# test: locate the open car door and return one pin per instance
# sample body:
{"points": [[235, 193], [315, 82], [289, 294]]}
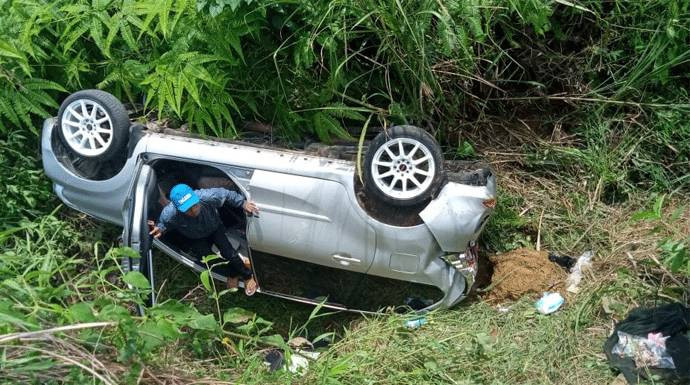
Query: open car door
{"points": [[136, 231]]}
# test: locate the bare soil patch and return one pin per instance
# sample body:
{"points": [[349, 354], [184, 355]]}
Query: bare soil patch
{"points": [[523, 272]]}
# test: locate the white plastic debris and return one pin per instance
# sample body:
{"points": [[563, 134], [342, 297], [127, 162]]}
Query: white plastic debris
{"points": [[298, 364], [549, 303], [646, 352], [299, 361], [584, 262]]}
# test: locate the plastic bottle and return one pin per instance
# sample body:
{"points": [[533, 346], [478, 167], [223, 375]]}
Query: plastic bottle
{"points": [[415, 323]]}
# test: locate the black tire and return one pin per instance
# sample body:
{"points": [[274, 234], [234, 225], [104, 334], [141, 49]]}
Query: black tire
{"points": [[119, 119], [403, 167]]}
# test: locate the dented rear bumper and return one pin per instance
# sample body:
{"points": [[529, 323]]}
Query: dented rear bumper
{"points": [[458, 214]]}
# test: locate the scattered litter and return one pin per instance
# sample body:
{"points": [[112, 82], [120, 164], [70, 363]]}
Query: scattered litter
{"points": [[646, 352], [564, 261], [299, 360], [415, 323], [549, 303], [584, 261], [274, 359], [652, 342], [503, 308], [521, 272]]}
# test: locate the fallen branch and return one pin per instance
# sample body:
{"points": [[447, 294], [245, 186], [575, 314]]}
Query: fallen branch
{"points": [[590, 100], [70, 361], [665, 270], [15, 336]]}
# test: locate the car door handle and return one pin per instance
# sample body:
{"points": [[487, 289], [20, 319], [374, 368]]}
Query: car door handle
{"points": [[345, 260]]}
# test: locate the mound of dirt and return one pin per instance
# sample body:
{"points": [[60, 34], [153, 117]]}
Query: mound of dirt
{"points": [[523, 272]]}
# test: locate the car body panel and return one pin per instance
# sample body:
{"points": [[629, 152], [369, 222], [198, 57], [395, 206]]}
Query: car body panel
{"points": [[309, 209], [135, 231], [309, 219], [458, 201]]}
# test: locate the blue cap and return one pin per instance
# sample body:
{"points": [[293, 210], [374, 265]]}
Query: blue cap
{"points": [[183, 197]]}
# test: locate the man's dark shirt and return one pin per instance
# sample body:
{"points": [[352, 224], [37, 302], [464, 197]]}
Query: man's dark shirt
{"points": [[208, 219]]}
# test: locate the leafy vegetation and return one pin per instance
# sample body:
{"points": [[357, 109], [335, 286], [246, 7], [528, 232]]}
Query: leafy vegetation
{"points": [[581, 106], [612, 73]]}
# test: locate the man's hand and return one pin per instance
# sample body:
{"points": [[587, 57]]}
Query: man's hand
{"points": [[155, 231], [251, 208]]}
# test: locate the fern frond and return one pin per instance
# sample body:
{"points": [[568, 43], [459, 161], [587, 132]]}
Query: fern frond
{"points": [[325, 126], [341, 110], [7, 110]]}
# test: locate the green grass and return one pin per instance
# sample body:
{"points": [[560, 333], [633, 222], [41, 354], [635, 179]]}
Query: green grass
{"points": [[46, 274], [472, 344], [177, 281]]}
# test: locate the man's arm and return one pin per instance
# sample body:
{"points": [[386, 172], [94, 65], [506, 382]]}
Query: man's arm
{"points": [[218, 196], [165, 221]]}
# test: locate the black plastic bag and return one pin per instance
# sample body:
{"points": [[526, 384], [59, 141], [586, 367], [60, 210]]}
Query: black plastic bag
{"points": [[671, 320]]}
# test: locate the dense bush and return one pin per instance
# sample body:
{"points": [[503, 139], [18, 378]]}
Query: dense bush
{"points": [[318, 68]]}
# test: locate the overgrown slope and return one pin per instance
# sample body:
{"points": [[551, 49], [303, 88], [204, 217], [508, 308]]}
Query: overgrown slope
{"points": [[580, 106]]}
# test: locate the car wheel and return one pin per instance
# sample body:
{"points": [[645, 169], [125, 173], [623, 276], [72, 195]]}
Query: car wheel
{"points": [[403, 166], [93, 124]]}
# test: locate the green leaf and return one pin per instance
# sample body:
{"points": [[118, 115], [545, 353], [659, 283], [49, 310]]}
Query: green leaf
{"points": [[431, 365], [206, 280], [210, 258], [137, 280], [644, 216], [73, 37], [234, 4], [114, 312], [329, 336], [119, 252], [6, 49], [82, 312], [215, 9], [340, 110], [204, 322], [13, 317], [173, 309], [237, 315], [168, 329], [274, 339], [234, 40], [465, 149], [150, 335], [658, 205], [360, 148], [326, 126]]}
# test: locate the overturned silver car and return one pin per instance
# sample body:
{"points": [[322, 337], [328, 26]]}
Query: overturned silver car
{"points": [[406, 228]]}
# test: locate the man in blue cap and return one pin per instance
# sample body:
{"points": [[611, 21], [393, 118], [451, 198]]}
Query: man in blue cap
{"points": [[194, 214]]}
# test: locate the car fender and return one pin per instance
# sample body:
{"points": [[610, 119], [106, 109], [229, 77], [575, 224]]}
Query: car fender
{"points": [[457, 215]]}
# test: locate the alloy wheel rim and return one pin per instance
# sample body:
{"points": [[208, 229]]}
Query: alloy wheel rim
{"points": [[403, 168], [87, 127]]}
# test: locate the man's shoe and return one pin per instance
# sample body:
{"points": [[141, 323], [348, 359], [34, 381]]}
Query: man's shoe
{"points": [[250, 286]]}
